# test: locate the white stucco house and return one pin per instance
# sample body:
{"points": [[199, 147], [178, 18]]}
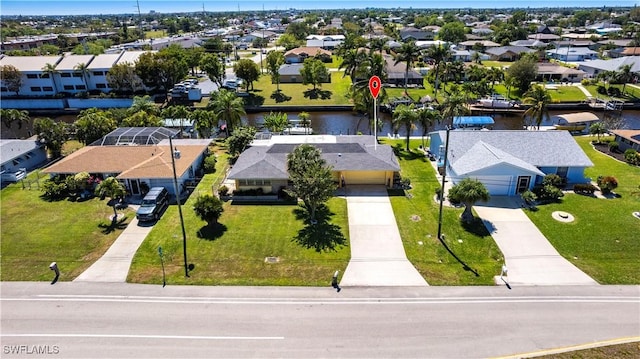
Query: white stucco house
{"points": [[510, 162]]}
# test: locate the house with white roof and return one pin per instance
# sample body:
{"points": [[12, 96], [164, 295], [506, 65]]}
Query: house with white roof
{"points": [[327, 42], [510, 162], [573, 54], [35, 82], [69, 76], [595, 67], [98, 69]]}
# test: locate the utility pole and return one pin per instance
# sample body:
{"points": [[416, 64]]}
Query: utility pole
{"points": [[444, 175], [139, 18]]}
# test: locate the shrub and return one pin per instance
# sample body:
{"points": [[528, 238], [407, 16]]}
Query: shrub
{"points": [[528, 197], [613, 146], [223, 190], [208, 208], [607, 183], [614, 91], [210, 163], [548, 193], [553, 180], [55, 188], [632, 156], [601, 90], [584, 188]]}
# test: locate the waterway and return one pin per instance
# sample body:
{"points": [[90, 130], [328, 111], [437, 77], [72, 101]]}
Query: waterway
{"points": [[348, 123]]}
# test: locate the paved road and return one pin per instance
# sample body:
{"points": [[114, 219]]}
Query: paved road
{"points": [[115, 320]]}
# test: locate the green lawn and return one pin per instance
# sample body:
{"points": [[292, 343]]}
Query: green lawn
{"points": [[603, 239], [416, 213], [36, 232], [234, 253], [566, 94]]}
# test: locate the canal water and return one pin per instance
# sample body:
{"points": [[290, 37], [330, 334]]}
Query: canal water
{"points": [[349, 123]]}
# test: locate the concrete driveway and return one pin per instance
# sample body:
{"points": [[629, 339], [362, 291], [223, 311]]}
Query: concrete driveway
{"points": [[529, 257], [377, 253]]}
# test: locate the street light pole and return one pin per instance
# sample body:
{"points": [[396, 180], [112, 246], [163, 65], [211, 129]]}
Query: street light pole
{"points": [[444, 175], [175, 187]]}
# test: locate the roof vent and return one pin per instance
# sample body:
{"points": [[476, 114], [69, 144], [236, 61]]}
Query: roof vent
{"points": [[176, 154]]}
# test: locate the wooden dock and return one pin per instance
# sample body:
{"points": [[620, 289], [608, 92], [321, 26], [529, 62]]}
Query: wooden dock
{"points": [[495, 110]]}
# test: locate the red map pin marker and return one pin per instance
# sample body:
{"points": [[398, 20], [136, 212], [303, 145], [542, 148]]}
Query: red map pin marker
{"points": [[374, 86]]}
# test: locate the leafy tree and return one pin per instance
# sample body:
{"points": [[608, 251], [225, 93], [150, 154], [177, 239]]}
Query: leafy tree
{"points": [[141, 119], [311, 177], [52, 134], [11, 77], [276, 122], [240, 140], [122, 78], [275, 59], [227, 107], [110, 187], [11, 116], [538, 98], [213, 66], [299, 30], [408, 53], [193, 57], [314, 72], [452, 32], [468, 191], [203, 122], [288, 41], [598, 129], [161, 70], [208, 208], [304, 120], [406, 116], [248, 71], [92, 124], [523, 72]]}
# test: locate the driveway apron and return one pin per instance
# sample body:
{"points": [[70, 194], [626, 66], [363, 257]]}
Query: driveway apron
{"points": [[377, 253], [529, 257]]}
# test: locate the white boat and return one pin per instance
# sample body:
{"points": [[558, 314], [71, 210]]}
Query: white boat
{"points": [[297, 128], [575, 122], [496, 101]]}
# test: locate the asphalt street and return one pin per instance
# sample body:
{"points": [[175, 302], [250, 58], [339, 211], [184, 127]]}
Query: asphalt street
{"points": [[79, 320]]}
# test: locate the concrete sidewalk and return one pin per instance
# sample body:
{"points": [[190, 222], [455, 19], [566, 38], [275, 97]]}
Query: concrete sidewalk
{"points": [[114, 265], [529, 257], [377, 253]]}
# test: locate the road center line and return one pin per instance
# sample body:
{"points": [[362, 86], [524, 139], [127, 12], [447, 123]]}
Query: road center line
{"points": [[135, 336]]}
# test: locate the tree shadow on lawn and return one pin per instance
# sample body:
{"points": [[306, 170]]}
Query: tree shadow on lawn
{"points": [[315, 94], [254, 100], [280, 96], [112, 226], [322, 236], [477, 227], [399, 149], [212, 232]]}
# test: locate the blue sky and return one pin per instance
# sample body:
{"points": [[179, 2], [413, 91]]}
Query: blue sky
{"points": [[89, 7]]}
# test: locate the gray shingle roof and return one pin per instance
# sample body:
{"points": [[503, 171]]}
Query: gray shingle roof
{"points": [[483, 155], [536, 148], [349, 153]]}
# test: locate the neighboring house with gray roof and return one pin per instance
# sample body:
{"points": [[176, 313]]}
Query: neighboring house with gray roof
{"points": [[510, 162], [356, 159], [595, 67], [290, 73], [572, 54], [627, 139], [507, 53], [19, 156]]}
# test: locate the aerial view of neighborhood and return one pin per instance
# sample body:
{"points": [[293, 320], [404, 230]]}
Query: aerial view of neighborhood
{"points": [[361, 180]]}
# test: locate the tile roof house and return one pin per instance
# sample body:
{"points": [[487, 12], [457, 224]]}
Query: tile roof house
{"points": [[627, 139], [356, 159], [135, 162], [299, 54], [510, 162], [507, 53]]}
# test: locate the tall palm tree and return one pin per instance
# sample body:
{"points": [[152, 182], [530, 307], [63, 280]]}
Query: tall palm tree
{"points": [[304, 120], [408, 53], [454, 105], [144, 104], [83, 69], [351, 61], [426, 118], [376, 43], [50, 70], [229, 108], [179, 112], [538, 98], [407, 116], [203, 122], [625, 75], [438, 54], [495, 74]]}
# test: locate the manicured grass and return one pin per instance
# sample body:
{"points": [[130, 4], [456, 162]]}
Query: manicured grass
{"points": [[333, 93], [566, 94], [500, 64], [234, 252], [416, 213], [36, 232], [603, 239]]}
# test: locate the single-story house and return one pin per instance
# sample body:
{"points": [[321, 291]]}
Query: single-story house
{"points": [[469, 44], [627, 139], [328, 42], [546, 38], [595, 67], [299, 54], [356, 159], [396, 73], [20, 156], [528, 43], [510, 162], [572, 54], [507, 53], [290, 73], [548, 71], [135, 155]]}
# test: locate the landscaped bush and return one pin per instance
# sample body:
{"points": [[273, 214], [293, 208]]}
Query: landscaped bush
{"points": [[223, 190], [584, 188], [548, 193], [614, 146], [208, 208], [250, 192], [632, 156], [554, 180], [528, 197], [607, 184], [55, 188], [210, 164], [601, 90]]}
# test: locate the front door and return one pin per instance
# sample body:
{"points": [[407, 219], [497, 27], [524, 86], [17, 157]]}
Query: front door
{"points": [[523, 184], [135, 186]]}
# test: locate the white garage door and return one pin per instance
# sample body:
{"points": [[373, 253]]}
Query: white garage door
{"points": [[498, 185], [364, 177]]}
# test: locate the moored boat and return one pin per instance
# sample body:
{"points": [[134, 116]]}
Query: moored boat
{"points": [[575, 122]]}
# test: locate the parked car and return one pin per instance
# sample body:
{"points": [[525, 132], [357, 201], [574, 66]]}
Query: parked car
{"points": [[153, 204]]}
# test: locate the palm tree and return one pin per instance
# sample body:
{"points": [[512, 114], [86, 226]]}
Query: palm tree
{"points": [[438, 54], [144, 104], [406, 116], [408, 53], [625, 75], [9, 116], [110, 187], [203, 122], [179, 112], [50, 70], [538, 98], [229, 108], [351, 62], [304, 120], [454, 105], [376, 43], [495, 74], [598, 129], [468, 191], [83, 69], [427, 117]]}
